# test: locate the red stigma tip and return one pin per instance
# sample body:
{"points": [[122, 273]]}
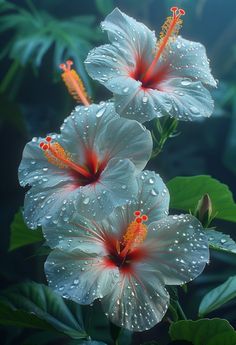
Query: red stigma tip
{"points": [[45, 147], [137, 213], [69, 63], [48, 139], [174, 9], [41, 144], [62, 66], [144, 217], [138, 220], [182, 12]]}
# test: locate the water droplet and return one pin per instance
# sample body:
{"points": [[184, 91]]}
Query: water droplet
{"points": [[86, 201], [194, 110], [100, 112], [145, 99], [126, 89], [186, 82], [153, 192]]}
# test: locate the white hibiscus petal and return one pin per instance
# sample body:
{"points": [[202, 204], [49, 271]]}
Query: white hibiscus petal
{"points": [[132, 38], [137, 302], [78, 276], [111, 69], [178, 245], [189, 60]]}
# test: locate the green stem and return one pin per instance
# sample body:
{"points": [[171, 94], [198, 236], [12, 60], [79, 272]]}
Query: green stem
{"points": [[180, 311]]}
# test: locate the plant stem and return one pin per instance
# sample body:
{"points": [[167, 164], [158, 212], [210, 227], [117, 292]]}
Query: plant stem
{"points": [[180, 311]]}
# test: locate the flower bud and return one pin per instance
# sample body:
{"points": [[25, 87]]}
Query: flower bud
{"points": [[204, 210]]}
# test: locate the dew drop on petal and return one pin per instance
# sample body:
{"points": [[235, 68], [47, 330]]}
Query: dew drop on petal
{"points": [[86, 201], [100, 112], [154, 192], [186, 82], [194, 110], [145, 99]]}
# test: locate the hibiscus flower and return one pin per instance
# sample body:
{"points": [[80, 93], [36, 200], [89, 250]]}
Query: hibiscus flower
{"points": [[152, 78], [90, 166], [127, 259]]}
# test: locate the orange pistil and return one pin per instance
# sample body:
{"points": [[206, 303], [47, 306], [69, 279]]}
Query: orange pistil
{"points": [[74, 84], [135, 233], [169, 29], [56, 155]]}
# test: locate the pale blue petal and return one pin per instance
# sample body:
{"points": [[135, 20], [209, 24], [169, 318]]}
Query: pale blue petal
{"points": [[178, 246], [137, 302], [99, 128], [116, 186], [152, 199], [189, 60], [106, 65], [189, 100], [127, 139], [132, 38], [143, 104], [78, 276], [83, 129], [45, 204], [78, 232], [180, 97]]}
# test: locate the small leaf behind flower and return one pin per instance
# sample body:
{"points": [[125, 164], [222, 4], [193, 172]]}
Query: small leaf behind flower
{"points": [[186, 191], [217, 297], [37, 306], [21, 235], [204, 332]]}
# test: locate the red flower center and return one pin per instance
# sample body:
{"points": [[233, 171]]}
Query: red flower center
{"points": [[84, 174], [127, 251]]}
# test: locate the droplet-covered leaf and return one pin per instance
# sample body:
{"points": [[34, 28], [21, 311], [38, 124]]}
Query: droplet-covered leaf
{"points": [[217, 297], [222, 242], [185, 193]]}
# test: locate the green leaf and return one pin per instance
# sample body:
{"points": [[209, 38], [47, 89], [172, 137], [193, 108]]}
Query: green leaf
{"points": [[204, 332], [104, 6], [20, 318], [40, 301], [21, 235], [222, 242], [217, 297], [186, 191]]}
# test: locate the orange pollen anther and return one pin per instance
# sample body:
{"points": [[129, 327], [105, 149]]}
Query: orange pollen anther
{"points": [[170, 29], [56, 155], [74, 83], [135, 233]]}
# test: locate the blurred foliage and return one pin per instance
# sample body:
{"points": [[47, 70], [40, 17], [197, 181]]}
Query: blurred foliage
{"points": [[35, 32]]}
